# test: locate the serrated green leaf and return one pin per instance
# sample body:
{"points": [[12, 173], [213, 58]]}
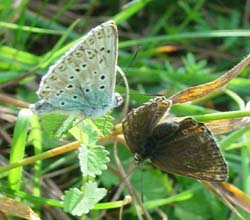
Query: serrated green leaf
{"points": [[78, 203], [56, 124], [85, 132], [104, 124], [78, 134], [90, 128], [93, 159]]}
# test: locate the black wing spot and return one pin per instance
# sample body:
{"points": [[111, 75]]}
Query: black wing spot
{"points": [[102, 87], [91, 55], [69, 59], [101, 60], [99, 35], [53, 77], [91, 41], [62, 67], [75, 97], [78, 54], [87, 90], [70, 86], [102, 77], [62, 103]]}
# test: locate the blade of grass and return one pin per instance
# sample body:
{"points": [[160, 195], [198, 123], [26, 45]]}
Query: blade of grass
{"points": [[56, 203], [130, 10], [18, 55], [30, 29], [182, 36], [55, 52], [176, 198], [36, 136], [18, 147], [222, 115], [245, 163], [45, 155], [232, 138], [5, 9]]}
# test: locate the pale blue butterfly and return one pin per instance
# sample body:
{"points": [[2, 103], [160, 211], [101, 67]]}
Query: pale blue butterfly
{"points": [[82, 82]]}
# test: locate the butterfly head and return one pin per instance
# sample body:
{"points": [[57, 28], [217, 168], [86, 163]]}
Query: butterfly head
{"points": [[138, 159], [118, 100], [41, 107]]}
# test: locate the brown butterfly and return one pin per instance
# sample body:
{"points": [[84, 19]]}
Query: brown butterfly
{"points": [[186, 148]]}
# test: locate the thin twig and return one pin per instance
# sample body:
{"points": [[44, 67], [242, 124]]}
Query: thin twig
{"points": [[130, 187], [13, 101], [18, 79]]}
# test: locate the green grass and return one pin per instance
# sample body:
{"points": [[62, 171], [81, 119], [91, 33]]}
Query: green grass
{"points": [[207, 39]]}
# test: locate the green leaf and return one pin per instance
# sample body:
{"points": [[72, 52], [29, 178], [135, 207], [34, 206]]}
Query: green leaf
{"points": [[56, 124], [104, 124], [198, 207], [18, 147], [56, 51], [92, 131], [35, 137], [142, 179], [18, 55], [6, 76], [93, 159], [78, 203], [85, 132]]}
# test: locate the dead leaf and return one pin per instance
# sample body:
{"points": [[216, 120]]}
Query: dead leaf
{"points": [[226, 125], [15, 208], [202, 90]]}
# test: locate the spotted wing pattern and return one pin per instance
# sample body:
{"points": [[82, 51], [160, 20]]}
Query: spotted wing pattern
{"points": [[83, 80]]}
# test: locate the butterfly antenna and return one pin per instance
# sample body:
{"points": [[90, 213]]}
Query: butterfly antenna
{"points": [[125, 109], [133, 58], [130, 171], [142, 188]]}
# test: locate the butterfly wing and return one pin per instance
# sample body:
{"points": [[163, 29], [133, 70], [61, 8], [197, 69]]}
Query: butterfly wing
{"points": [[83, 80], [191, 151], [139, 123]]}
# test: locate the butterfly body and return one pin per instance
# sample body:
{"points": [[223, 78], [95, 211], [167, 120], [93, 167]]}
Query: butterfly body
{"points": [[186, 148], [161, 133], [82, 82]]}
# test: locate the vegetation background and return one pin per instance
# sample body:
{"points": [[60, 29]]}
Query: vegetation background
{"points": [[164, 47]]}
